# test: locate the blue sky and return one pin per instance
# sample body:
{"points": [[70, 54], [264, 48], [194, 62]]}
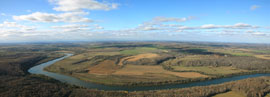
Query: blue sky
{"points": [[93, 20]]}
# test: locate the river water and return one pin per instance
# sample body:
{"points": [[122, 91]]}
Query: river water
{"points": [[74, 81]]}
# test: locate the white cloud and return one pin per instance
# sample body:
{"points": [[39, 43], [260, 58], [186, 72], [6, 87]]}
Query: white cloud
{"points": [[242, 25], [160, 24], [96, 26], [257, 33], [13, 29], [146, 28], [48, 17], [77, 27], [209, 26], [79, 5], [254, 7], [75, 11], [70, 26], [14, 25], [160, 20], [235, 26], [157, 23], [171, 19], [186, 28]]}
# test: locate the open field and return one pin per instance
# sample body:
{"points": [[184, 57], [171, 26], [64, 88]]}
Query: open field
{"points": [[262, 51], [140, 50], [106, 74], [230, 94], [142, 70], [137, 57], [106, 67], [209, 69], [125, 79], [141, 56], [267, 57]]}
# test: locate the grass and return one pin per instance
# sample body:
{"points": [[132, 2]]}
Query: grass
{"points": [[140, 56], [209, 70], [68, 66], [240, 54], [105, 67], [139, 50], [124, 79], [262, 51], [135, 74], [230, 94], [137, 57], [263, 56], [142, 70]]}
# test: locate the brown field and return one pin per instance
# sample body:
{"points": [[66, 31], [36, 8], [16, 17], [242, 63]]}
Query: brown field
{"points": [[142, 70], [138, 57], [263, 56], [106, 67], [242, 49], [230, 94]]}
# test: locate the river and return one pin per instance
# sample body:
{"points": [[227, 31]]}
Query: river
{"points": [[39, 69]]}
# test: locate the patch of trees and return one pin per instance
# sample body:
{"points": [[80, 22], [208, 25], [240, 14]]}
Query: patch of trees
{"points": [[198, 51], [19, 63], [26, 64], [99, 58], [19, 66], [248, 63], [32, 86], [151, 61]]}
